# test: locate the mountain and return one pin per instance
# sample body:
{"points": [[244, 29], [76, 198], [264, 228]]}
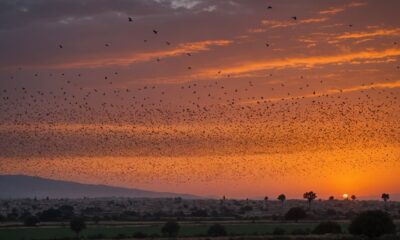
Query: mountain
{"points": [[21, 186]]}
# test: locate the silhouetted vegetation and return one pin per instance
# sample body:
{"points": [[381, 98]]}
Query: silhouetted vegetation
{"points": [[77, 224], [327, 227], [31, 221], [310, 196], [170, 228], [217, 230], [278, 231], [372, 224], [295, 214]]}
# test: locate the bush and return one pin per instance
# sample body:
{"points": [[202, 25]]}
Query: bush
{"points": [[295, 214], [328, 227], [77, 224], [300, 231], [139, 235], [389, 237], [217, 230], [170, 228], [278, 231], [31, 221], [121, 236], [372, 224]]}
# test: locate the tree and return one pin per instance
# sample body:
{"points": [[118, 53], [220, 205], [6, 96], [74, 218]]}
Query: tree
{"points": [[331, 198], [171, 228], [372, 223], [282, 198], [327, 227], [353, 197], [96, 219], [385, 197], [278, 231], [217, 230], [77, 224], [50, 215], [310, 196], [295, 214], [31, 221]]}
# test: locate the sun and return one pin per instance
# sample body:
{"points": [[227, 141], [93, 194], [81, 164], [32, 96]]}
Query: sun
{"points": [[345, 196]]}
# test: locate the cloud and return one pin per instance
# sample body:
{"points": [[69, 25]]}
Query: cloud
{"points": [[387, 85], [283, 24], [21, 13], [188, 4], [331, 11], [336, 10], [376, 33], [181, 49], [246, 67]]}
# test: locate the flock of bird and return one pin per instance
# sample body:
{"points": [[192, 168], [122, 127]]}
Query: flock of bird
{"points": [[206, 119]]}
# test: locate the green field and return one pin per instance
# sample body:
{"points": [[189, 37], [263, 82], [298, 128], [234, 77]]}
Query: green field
{"points": [[113, 231]]}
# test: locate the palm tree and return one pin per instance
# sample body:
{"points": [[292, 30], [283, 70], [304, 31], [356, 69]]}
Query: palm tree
{"points": [[310, 196], [282, 198], [385, 197]]}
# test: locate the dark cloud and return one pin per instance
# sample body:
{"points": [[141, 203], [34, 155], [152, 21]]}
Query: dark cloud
{"points": [[21, 13]]}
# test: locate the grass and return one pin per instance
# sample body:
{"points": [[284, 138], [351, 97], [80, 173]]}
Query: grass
{"points": [[187, 230]]}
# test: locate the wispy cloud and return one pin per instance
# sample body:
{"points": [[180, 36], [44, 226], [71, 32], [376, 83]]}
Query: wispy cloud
{"points": [[302, 62], [387, 85], [376, 33], [336, 10], [181, 49], [283, 24]]}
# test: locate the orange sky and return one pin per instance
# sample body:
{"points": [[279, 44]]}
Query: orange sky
{"points": [[224, 98]]}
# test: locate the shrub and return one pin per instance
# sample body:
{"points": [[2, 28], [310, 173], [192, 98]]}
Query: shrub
{"points": [[217, 230], [295, 214], [328, 227], [372, 224], [139, 235], [278, 231], [389, 237], [300, 231], [77, 224], [170, 228], [31, 221]]}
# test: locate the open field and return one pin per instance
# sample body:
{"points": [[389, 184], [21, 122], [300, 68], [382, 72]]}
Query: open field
{"points": [[154, 230], [187, 230]]}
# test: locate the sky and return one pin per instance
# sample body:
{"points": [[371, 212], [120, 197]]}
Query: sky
{"points": [[210, 97]]}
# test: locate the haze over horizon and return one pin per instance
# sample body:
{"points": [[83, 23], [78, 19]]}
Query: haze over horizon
{"points": [[205, 97]]}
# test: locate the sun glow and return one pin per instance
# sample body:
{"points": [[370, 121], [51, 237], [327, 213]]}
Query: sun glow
{"points": [[345, 196]]}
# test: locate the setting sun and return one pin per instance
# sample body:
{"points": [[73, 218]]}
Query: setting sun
{"points": [[345, 196]]}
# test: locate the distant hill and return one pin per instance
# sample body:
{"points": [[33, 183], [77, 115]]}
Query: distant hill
{"points": [[21, 186]]}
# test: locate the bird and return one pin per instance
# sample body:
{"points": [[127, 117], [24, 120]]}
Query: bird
{"points": [[155, 31], [130, 19], [294, 18], [60, 46]]}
